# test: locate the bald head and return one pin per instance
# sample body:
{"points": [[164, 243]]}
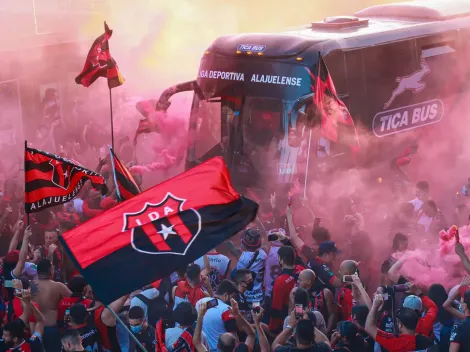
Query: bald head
{"points": [[227, 342], [348, 267], [306, 278]]}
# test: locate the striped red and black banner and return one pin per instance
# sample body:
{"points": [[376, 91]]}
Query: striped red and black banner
{"points": [[51, 180], [166, 227], [100, 63], [337, 122], [126, 186]]}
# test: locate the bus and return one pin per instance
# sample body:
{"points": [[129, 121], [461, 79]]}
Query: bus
{"points": [[399, 68]]}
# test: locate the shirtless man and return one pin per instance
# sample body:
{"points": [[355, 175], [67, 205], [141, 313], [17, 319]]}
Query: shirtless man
{"points": [[48, 295]]}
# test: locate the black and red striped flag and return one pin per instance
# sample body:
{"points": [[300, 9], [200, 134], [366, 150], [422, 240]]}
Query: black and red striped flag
{"points": [[51, 180], [149, 236], [100, 63], [335, 116], [126, 187]]}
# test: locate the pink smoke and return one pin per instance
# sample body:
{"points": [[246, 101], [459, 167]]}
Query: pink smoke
{"points": [[437, 263]]}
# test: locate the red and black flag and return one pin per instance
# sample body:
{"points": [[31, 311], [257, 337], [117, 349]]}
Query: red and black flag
{"points": [[336, 122], [100, 63], [126, 187], [149, 236], [51, 180]]}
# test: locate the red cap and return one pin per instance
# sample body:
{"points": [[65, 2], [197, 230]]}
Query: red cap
{"points": [[12, 257], [463, 289]]}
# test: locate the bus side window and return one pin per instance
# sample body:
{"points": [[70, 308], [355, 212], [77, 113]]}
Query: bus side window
{"points": [[439, 52], [337, 68], [383, 66]]}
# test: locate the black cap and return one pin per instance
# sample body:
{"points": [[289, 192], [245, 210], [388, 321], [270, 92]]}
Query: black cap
{"points": [[252, 239], [328, 247]]}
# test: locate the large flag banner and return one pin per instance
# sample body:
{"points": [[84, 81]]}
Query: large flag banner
{"points": [[149, 236], [51, 180], [100, 63], [126, 187], [334, 112]]}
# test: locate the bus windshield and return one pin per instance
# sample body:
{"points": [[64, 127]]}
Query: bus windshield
{"points": [[251, 134]]}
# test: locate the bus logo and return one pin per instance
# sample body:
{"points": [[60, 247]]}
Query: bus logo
{"points": [[411, 82], [407, 118], [251, 47]]}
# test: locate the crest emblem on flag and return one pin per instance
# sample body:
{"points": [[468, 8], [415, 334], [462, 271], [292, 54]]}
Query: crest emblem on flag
{"points": [[163, 228], [61, 174]]}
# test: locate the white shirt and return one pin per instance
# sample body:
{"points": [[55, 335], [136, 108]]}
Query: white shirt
{"points": [[257, 294], [273, 269], [219, 264], [213, 324], [417, 204]]}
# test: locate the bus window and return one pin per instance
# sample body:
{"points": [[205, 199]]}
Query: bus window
{"points": [[207, 121], [263, 132]]}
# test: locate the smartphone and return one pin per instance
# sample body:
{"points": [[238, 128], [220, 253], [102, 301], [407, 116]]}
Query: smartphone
{"points": [[347, 278], [316, 223], [212, 303], [8, 284], [273, 237], [67, 315], [17, 293], [256, 307], [299, 311], [457, 236]]}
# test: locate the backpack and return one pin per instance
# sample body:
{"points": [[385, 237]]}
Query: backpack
{"points": [[157, 309]]}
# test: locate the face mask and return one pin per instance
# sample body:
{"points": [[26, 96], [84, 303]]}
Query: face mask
{"points": [[250, 286], [136, 329]]}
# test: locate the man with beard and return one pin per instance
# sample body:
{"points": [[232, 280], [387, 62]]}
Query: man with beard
{"points": [[244, 281], [321, 298], [13, 339], [219, 319]]}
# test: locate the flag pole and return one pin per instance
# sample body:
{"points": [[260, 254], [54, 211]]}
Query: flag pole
{"points": [[24, 167], [133, 337], [308, 159], [112, 120]]}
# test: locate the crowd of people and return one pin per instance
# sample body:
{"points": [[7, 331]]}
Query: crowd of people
{"points": [[276, 286], [285, 283]]}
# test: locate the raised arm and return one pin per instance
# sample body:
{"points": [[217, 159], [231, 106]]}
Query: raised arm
{"points": [[197, 338], [18, 271]]}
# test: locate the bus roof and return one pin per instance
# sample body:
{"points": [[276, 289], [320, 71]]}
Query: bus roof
{"points": [[371, 26]]}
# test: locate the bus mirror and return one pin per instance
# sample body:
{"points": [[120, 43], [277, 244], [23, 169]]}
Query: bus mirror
{"points": [[164, 103]]}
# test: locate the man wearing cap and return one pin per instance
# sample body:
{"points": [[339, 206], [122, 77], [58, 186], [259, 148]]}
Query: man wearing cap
{"points": [[253, 258], [460, 336], [416, 301], [407, 320], [321, 265]]}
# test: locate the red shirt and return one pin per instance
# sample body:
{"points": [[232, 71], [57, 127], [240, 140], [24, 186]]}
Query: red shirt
{"points": [[108, 334], [345, 303], [426, 323], [185, 291], [392, 343], [18, 310], [280, 302], [67, 303]]}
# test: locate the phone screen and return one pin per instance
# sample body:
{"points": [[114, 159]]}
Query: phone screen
{"points": [[299, 311], [212, 303], [347, 278]]}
